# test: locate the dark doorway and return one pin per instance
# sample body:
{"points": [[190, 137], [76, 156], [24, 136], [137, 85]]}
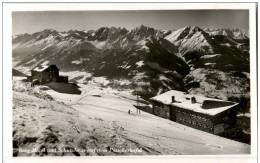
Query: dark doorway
{"points": [[172, 113]]}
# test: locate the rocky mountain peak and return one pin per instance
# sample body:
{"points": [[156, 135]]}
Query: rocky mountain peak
{"points": [[143, 28], [233, 33]]}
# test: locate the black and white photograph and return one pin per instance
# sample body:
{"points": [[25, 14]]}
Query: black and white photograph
{"points": [[131, 82]]}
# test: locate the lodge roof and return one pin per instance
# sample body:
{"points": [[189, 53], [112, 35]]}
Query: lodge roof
{"points": [[203, 104], [40, 68]]}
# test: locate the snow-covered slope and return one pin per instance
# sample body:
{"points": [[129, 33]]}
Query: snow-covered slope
{"points": [[202, 50], [56, 124], [190, 39]]}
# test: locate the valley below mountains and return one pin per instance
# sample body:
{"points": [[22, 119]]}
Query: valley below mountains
{"points": [[210, 62]]}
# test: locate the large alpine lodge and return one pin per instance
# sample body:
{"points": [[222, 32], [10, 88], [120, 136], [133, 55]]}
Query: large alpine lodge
{"points": [[207, 114]]}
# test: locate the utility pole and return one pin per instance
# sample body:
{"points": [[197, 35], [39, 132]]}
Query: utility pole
{"points": [[137, 103]]}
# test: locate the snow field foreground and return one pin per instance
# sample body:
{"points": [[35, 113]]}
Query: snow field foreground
{"points": [[43, 126], [154, 135]]}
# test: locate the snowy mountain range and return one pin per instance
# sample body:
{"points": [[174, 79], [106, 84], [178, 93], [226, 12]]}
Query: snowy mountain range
{"points": [[213, 62], [234, 33]]}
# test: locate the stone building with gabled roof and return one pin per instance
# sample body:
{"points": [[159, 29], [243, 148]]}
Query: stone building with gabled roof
{"points": [[46, 74]]}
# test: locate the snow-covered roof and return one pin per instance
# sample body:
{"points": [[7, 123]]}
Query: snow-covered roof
{"points": [[183, 100], [44, 66], [40, 68]]}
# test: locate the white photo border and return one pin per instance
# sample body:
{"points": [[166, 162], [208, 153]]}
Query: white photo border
{"points": [[8, 8]]}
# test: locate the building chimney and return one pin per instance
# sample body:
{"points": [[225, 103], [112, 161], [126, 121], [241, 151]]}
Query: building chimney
{"points": [[193, 100], [173, 99]]}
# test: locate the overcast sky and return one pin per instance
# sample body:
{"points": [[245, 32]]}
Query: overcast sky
{"points": [[30, 22]]}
